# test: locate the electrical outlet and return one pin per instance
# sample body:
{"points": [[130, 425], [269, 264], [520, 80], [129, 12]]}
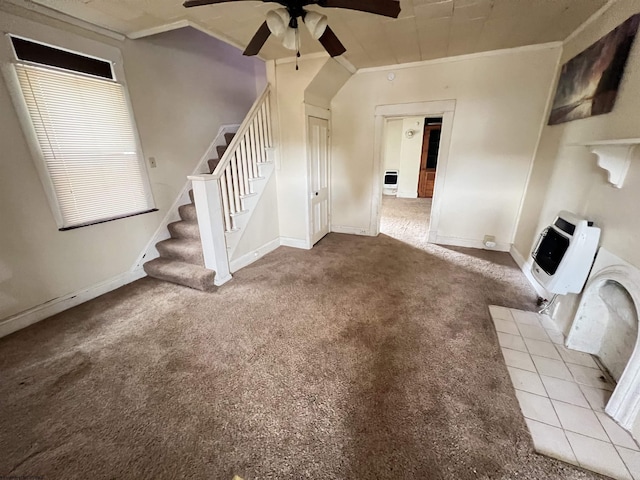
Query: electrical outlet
{"points": [[152, 162], [489, 241]]}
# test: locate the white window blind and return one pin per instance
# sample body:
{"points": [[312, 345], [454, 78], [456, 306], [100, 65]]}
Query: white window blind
{"points": [[86, 135]]}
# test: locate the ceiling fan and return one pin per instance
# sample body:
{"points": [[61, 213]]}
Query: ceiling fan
{"points": [[284, 23]]}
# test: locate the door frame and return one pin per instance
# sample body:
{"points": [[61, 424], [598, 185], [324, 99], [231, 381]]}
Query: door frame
{"points": [[440, 108], [324, 114]]}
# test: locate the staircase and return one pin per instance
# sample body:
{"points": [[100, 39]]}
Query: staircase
{"points": [[181, 259], [199, 252]]}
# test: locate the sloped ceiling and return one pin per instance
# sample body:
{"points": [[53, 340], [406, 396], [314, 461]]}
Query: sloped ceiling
{"points": [[426, 29]]}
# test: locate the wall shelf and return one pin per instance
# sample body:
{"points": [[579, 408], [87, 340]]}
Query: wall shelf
{"points": [[614, 156]]}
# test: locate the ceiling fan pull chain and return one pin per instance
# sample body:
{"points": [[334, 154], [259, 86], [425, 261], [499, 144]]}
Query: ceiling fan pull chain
{"points": [[297, 48]]}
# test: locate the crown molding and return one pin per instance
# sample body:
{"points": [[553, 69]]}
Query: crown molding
{"points": [[167, 27], [63, 17], [459, 58], [589, 21]]}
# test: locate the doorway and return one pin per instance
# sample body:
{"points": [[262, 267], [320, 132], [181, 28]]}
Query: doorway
{"points": [[410, 154], [442, 109], [318, 145]]}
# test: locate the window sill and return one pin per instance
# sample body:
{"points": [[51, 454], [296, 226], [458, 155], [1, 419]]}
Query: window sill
{"points": [[88, 224]]}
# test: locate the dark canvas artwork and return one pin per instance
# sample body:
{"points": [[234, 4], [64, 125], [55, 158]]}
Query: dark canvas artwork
{"points": [[589, 82]]}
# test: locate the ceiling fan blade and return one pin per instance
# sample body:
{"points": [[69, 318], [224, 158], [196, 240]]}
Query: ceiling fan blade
{"points": [[198, 3], [331, 43], [258, 40], [388, 8]]}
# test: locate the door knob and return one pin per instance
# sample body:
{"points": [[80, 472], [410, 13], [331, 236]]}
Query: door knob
{"points": [[317, 194]]}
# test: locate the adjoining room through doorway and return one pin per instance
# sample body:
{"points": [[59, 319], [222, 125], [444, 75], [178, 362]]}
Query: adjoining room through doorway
{"points": [[410, 159]]}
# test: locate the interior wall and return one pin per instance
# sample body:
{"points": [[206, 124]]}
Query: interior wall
{"points": [[500, 102], [291, 170], [263, 227], [314, 84], [565, 175], [392, 144], [326, 83], [183, 86], [410, 153]]}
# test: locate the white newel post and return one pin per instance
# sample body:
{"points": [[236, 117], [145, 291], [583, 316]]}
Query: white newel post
{"points": [[208, 201]]}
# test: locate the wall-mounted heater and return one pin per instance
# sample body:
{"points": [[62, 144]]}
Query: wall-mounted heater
{"points": [[564, 254], [390, 182]]}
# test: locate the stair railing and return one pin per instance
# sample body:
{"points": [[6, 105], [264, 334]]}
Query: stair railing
{"points": [[219, 196], [239, 164]]}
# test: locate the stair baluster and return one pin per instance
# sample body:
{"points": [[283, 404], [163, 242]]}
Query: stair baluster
{"points": [[240, 166]]}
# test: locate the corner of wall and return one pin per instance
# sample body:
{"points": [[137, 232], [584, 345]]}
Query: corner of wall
{"points": [[525, 207], [525, 266]]}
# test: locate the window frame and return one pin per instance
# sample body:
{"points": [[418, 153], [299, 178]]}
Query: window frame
{"points": [[90, 49]]}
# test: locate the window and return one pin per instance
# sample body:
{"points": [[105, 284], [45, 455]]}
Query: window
{"points": [[85, 135]]}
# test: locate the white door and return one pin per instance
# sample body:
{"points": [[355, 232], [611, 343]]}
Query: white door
{"points": [[319, 175]]}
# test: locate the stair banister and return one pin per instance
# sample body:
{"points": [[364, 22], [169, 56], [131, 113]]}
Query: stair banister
{"points": [[240, 134], [220, 196]]}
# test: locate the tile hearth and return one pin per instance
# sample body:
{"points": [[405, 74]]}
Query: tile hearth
{"points": [[562, 395]]}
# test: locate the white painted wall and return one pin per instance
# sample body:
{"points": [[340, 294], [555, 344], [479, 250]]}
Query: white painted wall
{"points": [[392, 144], [315, 84], [500, 102], [291, 170], [183, 86], [327, 82], [565, 177], [410, 154], [263, 227]]}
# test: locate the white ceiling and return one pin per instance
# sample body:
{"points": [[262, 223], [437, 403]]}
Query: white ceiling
{"points": [[426, 29]]}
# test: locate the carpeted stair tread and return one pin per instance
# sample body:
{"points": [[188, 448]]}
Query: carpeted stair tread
{"points": [[182, 249], [181, 260], [182, 273], [213, 163], [188, 212], [182, 229]]}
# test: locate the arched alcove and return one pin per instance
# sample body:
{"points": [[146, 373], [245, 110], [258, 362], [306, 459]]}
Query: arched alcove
{"points": [[606, 325]]}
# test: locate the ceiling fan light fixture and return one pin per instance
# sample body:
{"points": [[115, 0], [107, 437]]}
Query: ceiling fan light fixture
{"points": [[278, 22], [290, 39], [283, 22], [316, 23]]}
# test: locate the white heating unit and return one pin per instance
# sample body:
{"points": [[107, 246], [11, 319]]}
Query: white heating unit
{"points": [[564, 254], [390, 182]]}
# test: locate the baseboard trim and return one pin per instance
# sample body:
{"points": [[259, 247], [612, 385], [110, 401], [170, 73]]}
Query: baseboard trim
{"points": [[52, 307], [519, 259], [253, 256], [470, 243], [218, 280], [525, 266], [401, 194], [351, 230], [295, 243]]}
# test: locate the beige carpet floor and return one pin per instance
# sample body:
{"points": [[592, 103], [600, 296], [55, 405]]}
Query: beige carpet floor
{"points": [[406, 219], [364, 358]]}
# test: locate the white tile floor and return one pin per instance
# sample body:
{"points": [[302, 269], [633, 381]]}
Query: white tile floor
{"points": [[562, 395]]}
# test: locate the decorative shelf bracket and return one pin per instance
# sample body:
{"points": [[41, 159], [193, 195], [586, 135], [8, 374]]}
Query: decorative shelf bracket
{"points": [[614, 156]]}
